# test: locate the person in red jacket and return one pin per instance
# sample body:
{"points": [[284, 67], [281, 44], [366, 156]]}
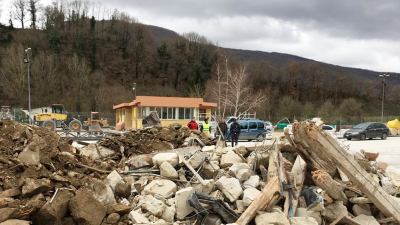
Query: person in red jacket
{"points": [[193, 125]]}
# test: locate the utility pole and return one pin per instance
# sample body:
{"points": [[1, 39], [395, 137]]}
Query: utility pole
{"points": [[383, 76], [27, 60], [134, 91]]}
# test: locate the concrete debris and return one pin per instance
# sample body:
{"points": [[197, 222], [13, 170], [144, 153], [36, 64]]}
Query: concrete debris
{"points": [[181, 202], [35, 186], [113, 179], [253, 181], [229, 159], [303, 221], [249, 195], [96, 152], [170, 157], [152, 205], [138, 218], [15, 222], [274, 218], [85, 209], [241, 171], [366, 220], [162, 187], [146, 177], [6, 213], [230, 187], [168, 171]]}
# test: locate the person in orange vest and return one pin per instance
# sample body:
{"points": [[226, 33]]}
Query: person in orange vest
{"points": [[193, 125]]}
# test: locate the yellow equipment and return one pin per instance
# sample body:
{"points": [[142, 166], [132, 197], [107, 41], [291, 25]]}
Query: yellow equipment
{"points": [[95, 122], [394, 126], [57, 118]]}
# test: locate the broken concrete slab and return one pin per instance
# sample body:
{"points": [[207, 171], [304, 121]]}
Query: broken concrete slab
{"points": [[54, 211], [303, 221], [6, 213], [102, 192], [230, 187], [275, 218], [168, 171], [138, 218], [169, 213], [253, 181], [249, 195], [209, 169], [161, 187], [113, 179], [119, 208], [95, 152], [181, 202], [335, 210], [35, 186], [152, 205], [229, 159], [15, 222], [362, 209], [140, 161], [197, 159], [170, 157], [85, 209], [241, 171], [366, 220]]}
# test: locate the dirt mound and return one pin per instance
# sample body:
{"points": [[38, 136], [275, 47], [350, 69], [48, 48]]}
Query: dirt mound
{"points": [[151, 140]]}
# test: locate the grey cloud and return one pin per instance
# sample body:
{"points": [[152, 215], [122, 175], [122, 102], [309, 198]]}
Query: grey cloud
{"points": [[353, 18]]}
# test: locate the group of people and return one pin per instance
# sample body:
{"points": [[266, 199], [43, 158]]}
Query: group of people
{"points": [[222, 129]]}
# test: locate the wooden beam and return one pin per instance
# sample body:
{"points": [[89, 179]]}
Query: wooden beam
{"points": [[326, 153], [268, 198]]}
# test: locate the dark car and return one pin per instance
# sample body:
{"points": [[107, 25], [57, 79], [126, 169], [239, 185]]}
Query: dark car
{"points": [[367, 130]]}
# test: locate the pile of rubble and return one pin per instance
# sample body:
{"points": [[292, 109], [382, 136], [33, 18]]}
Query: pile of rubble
{"points": [[305, 179], [155, 139]]}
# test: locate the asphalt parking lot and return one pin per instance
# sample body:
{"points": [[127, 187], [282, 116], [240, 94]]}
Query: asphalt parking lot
{"points": [[389, 149]]}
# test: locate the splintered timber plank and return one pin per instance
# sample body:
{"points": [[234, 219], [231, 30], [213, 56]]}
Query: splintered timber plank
{"points": [[320, 147], [268, 198]]}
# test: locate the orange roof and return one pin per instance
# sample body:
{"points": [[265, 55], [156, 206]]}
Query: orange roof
{"points": [[156, 101]]}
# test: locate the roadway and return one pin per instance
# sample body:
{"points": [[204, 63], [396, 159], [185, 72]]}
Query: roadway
{"points": [[389, 149]]}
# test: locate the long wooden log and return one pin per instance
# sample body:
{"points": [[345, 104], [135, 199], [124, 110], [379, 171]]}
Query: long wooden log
{"points": [[324, 152], [268, 198]]}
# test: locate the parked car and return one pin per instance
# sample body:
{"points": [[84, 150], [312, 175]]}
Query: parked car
{"points": [[367, 130], [269, 126], [251, 129], [329, 129]]}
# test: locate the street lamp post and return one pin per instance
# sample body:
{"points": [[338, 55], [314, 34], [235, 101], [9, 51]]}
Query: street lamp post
{"points": [[383, 76], [27, 60], [134, 91]]}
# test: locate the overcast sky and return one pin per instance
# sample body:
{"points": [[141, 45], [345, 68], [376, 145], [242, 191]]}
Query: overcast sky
{"points": [[354, 33]]}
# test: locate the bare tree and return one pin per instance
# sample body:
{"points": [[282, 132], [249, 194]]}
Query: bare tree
{"points": [[33, 11], [231, 89], [241, 97], [20, 11]]}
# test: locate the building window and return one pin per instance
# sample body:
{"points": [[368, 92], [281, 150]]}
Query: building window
{"points": [[185, 113], [171, 113], [202, 114]]}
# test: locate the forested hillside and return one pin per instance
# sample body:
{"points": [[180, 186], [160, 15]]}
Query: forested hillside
{"points": [[91, 64]]}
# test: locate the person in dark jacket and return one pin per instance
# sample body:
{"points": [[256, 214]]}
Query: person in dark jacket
{"points": [[234, 132], [222, 129]]}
